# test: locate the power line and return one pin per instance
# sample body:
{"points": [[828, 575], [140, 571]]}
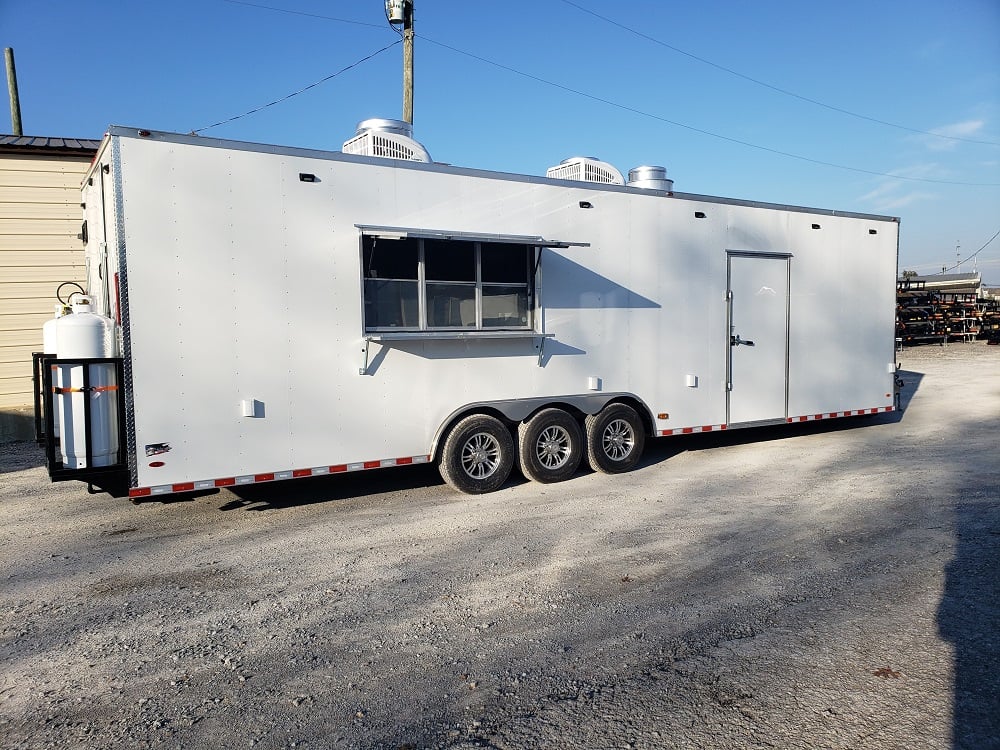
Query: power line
{"points": [[300, 91], [966, 260], [709, 133], [617, 105], [302, 13], [772, 87]]}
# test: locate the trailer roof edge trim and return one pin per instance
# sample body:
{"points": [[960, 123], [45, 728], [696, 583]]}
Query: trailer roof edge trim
{"points": [[398, 233], [295, 151]]}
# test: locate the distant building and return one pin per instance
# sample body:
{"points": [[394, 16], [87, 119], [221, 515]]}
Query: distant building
{"points": [[40, 218]]}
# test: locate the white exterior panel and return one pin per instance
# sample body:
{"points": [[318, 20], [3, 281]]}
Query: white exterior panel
{"points": [[244, 285]]}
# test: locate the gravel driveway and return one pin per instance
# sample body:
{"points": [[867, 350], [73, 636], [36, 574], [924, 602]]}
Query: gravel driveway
{"points": [[831, 585]]}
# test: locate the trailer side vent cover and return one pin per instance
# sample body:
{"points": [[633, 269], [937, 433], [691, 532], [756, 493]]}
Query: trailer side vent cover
{"points": [[387, 139], [699, 214], [816, 226], [872, 231], [585, 169]]}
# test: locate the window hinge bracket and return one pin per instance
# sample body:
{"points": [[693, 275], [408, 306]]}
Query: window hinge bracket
{"points": [[364, 368]]}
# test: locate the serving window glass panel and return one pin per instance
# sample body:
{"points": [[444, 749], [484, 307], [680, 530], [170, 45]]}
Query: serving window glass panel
{"points": [[392, 286], [423, 284]]}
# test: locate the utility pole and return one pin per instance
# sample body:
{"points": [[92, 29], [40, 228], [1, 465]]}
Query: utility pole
{"points": [[15, 101], [400, 13], [408, 61]]}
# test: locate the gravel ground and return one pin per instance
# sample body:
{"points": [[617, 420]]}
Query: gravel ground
{"points": [[832, 585]]}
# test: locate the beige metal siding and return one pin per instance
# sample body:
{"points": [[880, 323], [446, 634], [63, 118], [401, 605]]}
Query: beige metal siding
{"points": [[40, 217]]}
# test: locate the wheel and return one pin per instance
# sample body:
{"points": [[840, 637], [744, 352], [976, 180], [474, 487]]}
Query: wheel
{"points": [[478, 455], [550, 446], [615, 439]]}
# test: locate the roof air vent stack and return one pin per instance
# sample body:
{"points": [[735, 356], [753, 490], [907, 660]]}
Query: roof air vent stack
{"points": [[586, 169], [388, 139], [650, 178]]}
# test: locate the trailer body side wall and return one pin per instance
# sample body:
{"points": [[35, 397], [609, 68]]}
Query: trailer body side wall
{"points": [[239, 285]]}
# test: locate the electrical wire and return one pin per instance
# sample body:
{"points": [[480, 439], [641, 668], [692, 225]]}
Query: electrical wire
{"points": [[302, 13], [702, 131], [617, 105], [966, 260], [300, 91], [772, 87]]}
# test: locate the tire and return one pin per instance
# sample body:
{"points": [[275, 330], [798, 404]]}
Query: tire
{"points": [[550, 446], [478, 455], [615, 439]]}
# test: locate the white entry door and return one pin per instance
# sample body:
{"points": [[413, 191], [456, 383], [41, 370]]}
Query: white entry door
{"points": [[758, 337]]}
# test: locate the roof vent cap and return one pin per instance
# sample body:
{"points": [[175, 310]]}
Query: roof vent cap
{"points": [[388, 139], [585, 169], [650, 178]]}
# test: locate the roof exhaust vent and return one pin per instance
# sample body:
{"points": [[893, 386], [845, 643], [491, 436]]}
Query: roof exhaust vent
{"points": [[586, 169], [650, 178], [388, 139]]}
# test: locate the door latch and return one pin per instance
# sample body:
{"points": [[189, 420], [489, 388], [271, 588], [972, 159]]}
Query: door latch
{"points": [[736, 341]]}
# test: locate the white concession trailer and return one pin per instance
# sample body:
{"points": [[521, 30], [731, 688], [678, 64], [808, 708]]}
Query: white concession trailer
{"points": [[257, 313]]}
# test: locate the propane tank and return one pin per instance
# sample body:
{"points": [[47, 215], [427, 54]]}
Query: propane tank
{"points": [[83, 334], [49, 347]]}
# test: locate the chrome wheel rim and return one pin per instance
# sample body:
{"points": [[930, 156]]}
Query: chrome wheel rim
{"points": [[618, 439], [553, 447], [481, 455]]}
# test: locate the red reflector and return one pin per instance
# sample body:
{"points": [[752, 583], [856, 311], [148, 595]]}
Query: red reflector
{"points": [[140, 492], [156, 464], [403, 461], [302, 473], [183, 487], [263, 477], [338, 469], [228, 482], [372, 464], [687, 430]]}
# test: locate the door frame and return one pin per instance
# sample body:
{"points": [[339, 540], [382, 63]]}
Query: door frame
{"points": [[787, 257]]}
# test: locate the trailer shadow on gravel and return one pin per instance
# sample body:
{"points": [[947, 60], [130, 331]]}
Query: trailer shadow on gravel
{"points": [[327, 489]]}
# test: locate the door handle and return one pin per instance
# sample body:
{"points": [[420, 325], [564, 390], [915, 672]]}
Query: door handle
{"points": [[736, 341]]}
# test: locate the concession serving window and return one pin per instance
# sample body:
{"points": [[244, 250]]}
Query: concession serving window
{"points": [[446, 284]]}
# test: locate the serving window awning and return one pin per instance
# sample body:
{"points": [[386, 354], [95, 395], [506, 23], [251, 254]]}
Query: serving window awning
{"points": [[398, 233]]}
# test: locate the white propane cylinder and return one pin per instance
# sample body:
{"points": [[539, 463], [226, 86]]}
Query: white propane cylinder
{"points": [[86, 335], [49, 346]]}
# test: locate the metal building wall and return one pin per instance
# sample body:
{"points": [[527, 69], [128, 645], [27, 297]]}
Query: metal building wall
{"points": [[40, 218]]}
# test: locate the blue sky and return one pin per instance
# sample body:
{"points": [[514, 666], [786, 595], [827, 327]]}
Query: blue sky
{"points": [[833, 105]]}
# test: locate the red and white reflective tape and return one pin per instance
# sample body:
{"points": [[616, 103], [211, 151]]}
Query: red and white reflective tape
{"points": [[803, 418], [692, 430], [835, 414], [317, 471]]}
